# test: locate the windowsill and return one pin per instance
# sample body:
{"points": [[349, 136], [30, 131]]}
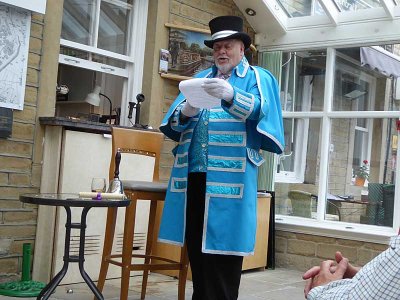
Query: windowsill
{"points": [[349, 231]]}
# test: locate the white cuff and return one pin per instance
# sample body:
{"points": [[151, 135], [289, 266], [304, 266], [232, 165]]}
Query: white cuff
{"points": [[189, 111]]}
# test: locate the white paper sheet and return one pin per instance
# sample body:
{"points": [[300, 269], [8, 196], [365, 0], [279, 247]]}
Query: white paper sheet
{"points": [[195, 94]]}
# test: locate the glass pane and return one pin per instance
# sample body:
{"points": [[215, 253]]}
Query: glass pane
{"points": [[349, 5], [361, 176], [108, 61], [80, 82], [286, 160], [74, 52], [303, 80], [113, 28], [296, 8], [77, 20], [126, 1], [296, 196], [358, 88]]}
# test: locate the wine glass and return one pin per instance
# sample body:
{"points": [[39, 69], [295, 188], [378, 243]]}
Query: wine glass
{"points": [[98, 185]]}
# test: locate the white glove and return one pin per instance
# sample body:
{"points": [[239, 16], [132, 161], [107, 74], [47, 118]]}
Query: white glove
{"points": [[218, 88], [189, 111]]}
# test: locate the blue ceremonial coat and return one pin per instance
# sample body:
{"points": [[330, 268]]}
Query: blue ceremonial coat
{"points": [[234, 141]]}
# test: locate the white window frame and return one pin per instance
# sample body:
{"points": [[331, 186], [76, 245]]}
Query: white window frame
{"points": [[300, 147], [319, 225], [38, 6], [371, 102], [133, 71]]}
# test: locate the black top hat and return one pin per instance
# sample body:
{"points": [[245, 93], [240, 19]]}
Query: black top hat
{"points": [[227, 27]]}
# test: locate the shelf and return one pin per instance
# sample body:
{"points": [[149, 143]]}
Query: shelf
{"points": [[174, 77], [71, 102]]}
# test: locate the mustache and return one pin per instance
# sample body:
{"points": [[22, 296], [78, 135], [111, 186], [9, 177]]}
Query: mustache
{"points": [[222, 56]]}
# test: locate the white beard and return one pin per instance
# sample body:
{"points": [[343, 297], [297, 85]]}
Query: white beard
{"points": [[224, 69]]}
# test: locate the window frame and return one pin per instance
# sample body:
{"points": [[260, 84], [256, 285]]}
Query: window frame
{"points": [[319, 225], [133, 71], [298, 174], [363, 76]]}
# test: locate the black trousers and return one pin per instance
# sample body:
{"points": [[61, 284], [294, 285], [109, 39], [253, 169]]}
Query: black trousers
{"points": [[215, 276]]}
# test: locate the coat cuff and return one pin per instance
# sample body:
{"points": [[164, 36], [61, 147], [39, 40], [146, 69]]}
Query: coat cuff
{"points": [[176, 122], [241, 106]]}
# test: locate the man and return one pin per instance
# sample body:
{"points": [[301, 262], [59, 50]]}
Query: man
{"points": [[212, 195], [379, 279]]}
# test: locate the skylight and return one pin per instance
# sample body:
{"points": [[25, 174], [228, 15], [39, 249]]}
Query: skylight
{"points": [[352, 5], [301, 8]]}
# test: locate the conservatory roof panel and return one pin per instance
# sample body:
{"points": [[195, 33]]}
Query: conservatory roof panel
{"points": [[302, 8], [301, 22]]}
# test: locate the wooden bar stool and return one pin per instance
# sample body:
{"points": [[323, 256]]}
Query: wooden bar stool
{"points": [[147, 143]]}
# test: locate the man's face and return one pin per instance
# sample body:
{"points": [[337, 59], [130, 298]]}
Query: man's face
{"points": [[228, 54]]}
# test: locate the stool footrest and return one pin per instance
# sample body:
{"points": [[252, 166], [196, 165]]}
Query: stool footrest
{"points": [[166, 260], [73, 258], [76, 225], [149, 266]]}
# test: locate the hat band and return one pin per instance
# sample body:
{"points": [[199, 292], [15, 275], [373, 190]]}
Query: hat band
{"points": [[222, 34]]}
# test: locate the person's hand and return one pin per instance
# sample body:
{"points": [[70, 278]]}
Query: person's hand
{"points": [[325, 273], [189, 111], [351, 270], [218, 88]]}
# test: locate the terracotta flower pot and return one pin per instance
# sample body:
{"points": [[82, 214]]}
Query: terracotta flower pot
{"points": [[359, 181]]}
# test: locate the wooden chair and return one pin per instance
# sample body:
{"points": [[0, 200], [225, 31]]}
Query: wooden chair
{"points": [[147, 143], [302, 205]]}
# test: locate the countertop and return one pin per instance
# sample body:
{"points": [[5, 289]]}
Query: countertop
{"points": [[83, 125]]}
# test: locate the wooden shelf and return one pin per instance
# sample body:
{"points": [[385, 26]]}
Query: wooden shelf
{"points": [[184, 27], [174, 77]]}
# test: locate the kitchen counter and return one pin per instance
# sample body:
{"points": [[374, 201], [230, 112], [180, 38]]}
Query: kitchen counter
{"points": [[76, 124], [84, 125]]}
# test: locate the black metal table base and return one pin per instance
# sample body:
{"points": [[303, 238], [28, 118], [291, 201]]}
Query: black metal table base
{"points": [[80, 259]]}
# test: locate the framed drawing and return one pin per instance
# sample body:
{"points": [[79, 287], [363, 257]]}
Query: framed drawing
{"points": [[188, 54]]}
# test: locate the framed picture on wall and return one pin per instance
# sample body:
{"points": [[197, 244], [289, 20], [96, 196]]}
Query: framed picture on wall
{"points": [[188, 54]]}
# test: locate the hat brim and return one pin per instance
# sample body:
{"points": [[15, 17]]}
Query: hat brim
{"points": [[244, 37]]}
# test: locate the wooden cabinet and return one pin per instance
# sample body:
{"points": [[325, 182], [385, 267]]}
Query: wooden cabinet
{"points": [[258, 260]]}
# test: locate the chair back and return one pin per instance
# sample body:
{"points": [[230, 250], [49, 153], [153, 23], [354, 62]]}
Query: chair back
{"points": [[388, 204], [137, 142], [374, 210], [301, 203]]}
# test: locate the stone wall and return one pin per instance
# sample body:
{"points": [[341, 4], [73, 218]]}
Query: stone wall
{"points": [[18, 172], [302, 251]]}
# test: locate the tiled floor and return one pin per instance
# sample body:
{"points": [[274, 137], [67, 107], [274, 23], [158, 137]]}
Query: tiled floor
{"points": [[278, 284]]}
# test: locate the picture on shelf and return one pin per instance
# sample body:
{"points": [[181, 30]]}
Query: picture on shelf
{"points": [[188, 54]]}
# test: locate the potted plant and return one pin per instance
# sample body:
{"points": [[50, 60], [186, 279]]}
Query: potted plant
{"points": [[361, 173]]}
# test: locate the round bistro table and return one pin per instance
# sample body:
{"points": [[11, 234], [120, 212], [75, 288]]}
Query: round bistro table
{"points": [[68, 201]]}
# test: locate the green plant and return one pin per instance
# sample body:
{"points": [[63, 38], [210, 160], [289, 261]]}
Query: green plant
{"points": [[362, 171]]}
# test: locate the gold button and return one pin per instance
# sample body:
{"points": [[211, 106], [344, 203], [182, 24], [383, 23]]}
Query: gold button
{"points": [[205, 122]]}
